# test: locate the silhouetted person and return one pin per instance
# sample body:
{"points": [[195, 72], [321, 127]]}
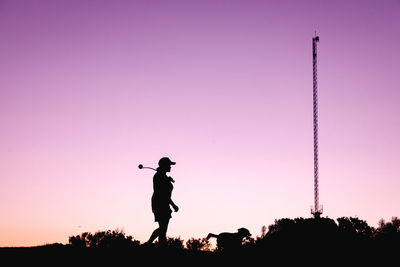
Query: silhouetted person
{"points": [[161, 200]]}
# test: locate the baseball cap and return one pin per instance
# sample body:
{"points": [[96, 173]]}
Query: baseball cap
{"points": [[165, 162]]}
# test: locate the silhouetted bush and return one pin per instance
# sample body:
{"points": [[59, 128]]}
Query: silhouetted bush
{"points": [[301, 232], [175, 243], [388, 232], [354, 229], [104, 239], [198, 244]]}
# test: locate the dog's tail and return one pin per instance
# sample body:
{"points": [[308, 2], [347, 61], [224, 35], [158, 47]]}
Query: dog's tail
{"points": [[211, 235]]}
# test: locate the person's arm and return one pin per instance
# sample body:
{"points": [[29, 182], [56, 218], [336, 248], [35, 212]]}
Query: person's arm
{"points": [[170, 179], [176, 208]]}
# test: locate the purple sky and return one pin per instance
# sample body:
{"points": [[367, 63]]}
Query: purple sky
{"points": [[90, 89]]}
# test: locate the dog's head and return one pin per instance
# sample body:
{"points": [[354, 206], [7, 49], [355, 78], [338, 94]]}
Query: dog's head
{"points": [[244, 232]]}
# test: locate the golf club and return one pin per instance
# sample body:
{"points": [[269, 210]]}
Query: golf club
{"points": [[142, 167]]}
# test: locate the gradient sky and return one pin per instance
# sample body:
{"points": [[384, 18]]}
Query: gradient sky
{"points": [[90, 89]]}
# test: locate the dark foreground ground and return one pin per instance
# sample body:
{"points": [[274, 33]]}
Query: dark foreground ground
{"points": [[282, 255]]}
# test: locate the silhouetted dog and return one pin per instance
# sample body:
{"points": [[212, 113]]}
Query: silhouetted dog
{"points": [[230, 241]]}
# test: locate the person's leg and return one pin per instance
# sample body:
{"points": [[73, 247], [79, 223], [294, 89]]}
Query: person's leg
{"points": [[154, 235], [162, 236]]}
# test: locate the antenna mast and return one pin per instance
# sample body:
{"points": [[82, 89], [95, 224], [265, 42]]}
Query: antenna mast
{"points": [[317, 209]]}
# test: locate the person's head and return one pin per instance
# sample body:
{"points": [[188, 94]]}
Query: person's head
{"points": [[164, 164]]}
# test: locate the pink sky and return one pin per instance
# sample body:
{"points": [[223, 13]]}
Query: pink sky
{"points": [[90, 89]]}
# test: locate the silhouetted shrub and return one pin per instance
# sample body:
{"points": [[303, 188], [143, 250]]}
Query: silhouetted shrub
{"points": [[354, 229], [249, 243], [79, 241], [388, 232], [198, 244], [300, 234], [175, 243], [104, 239]]}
